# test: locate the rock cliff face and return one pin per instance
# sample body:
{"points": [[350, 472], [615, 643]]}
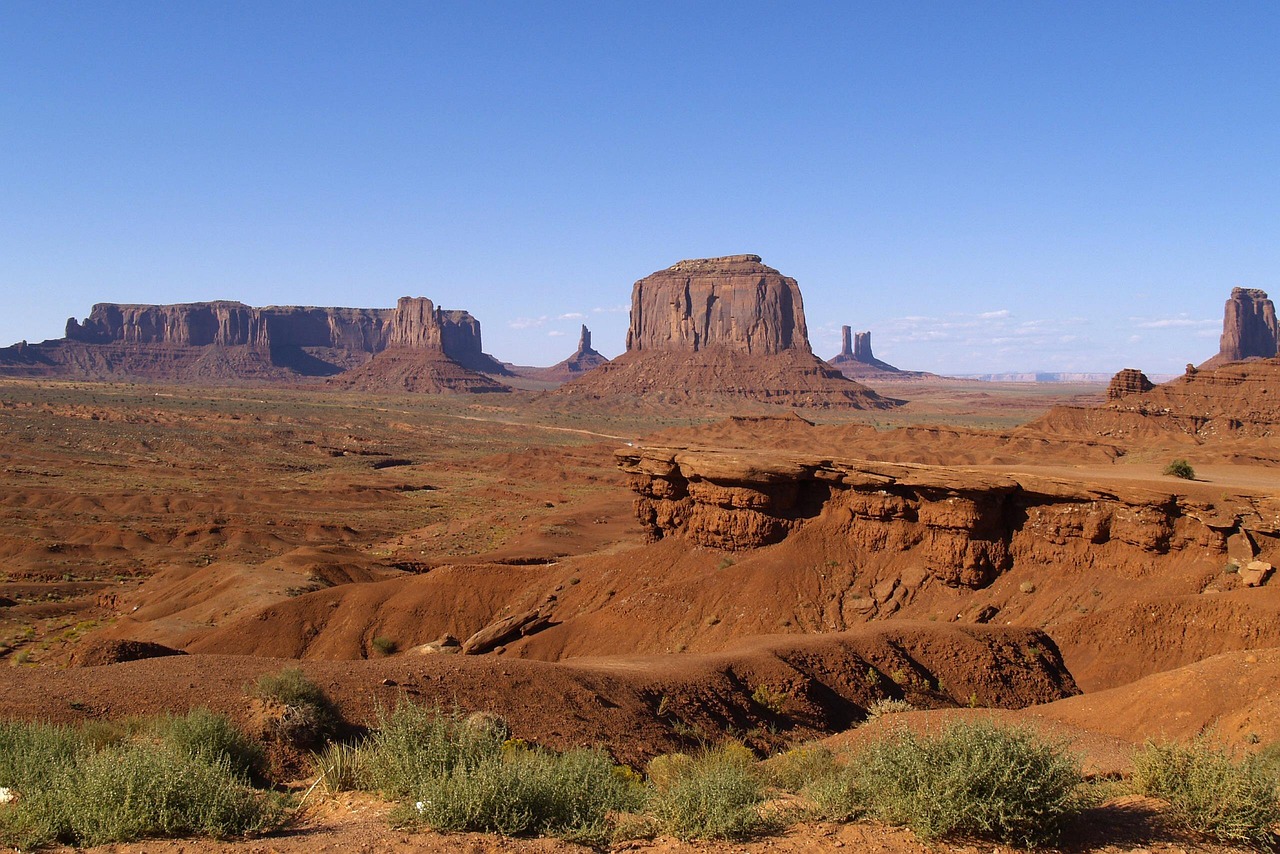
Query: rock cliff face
{"points": [[735, 302], [961, 528], [1128, 381], [224, 340], [1249, 328], [721, 327]]}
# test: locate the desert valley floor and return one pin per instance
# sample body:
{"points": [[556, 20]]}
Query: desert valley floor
{"points": [[634, 574]]}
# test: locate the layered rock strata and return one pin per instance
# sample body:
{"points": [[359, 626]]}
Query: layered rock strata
{"points": [[225, 340], [1234, 399], [728, 327], [960, 527], [1128, 381]]}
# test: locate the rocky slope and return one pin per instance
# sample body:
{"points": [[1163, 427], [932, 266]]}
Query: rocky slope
{"points": [[729, 327]]}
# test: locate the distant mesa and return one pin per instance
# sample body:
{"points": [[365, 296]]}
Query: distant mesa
{"points": [[1249, 328], [727, 326], [229, 341]]}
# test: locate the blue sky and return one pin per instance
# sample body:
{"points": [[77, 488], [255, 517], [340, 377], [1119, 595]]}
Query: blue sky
{"points": [[985, 186]]}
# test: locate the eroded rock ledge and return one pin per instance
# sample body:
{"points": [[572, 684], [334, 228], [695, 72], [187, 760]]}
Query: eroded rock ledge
{"points": [[964, 527]]}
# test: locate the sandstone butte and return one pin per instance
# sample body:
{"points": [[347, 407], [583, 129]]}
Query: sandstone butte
{"points": [[1249, 328], [727, 326], [583, 359]]}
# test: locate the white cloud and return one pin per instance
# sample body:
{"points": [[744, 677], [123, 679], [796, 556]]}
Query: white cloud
{"points": [[528, 322], [555, 333], [572, 315], [1182, 321], [613, 309], [989, 315]]}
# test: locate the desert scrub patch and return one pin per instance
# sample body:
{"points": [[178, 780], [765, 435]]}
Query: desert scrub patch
{"points": [[523, 791], [1211, 791], [888, 706], [70, 792], [971, 779], [413, 744], [339, 767], [384, 645], [1180, 468], [308, 715], [714, 795], [202, 734]]}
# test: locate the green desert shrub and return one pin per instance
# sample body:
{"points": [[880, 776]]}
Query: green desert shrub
{"points": [[715, 795], [1211, 791], [309, 714], [124, 792], [798, 767], [1180, 468], [32, 754], [525, 791], [971, 779], [202, 734], [415, 744]]}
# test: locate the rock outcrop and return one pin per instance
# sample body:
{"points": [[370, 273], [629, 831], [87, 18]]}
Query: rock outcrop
{"points": [[1249, 328], [226, 340], [1234, 399], [961, 528], [855, 357], [1128, 381], [721, 327], [582, 360]]}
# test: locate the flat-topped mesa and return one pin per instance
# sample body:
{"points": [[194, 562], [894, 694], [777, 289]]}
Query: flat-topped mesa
{"points": [[1249, 328], [1128, 381], [734, 302]]}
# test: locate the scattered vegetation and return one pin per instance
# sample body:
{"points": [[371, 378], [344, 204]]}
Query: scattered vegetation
{"points": [[771, 700], [888, 706], [1180, 468], [384, 645], [307, 716], [1212, 792]]}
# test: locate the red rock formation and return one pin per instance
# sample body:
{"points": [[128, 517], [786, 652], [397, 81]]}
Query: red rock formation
{"points": [[727, 327], [1249, 328], [1128, 381]]}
